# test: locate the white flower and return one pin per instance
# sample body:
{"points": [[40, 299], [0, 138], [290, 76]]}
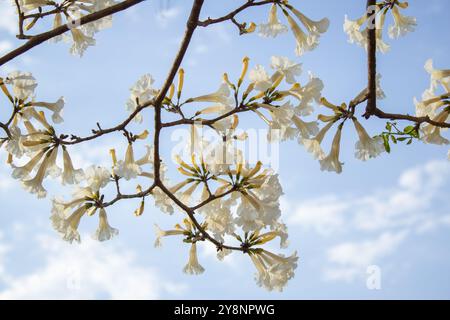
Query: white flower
{"points": [[331, 162], [56, 108], [353, 30], [161, 233], [81, 42], [273, 27], [259, 77], [438, 76], [281, 119], [34, 185], [260, 206], [52, 168], [305, 129], [25, 170], [304, 42], [219, 218], [274, 271], [104, 231], [97, 177], [23, 84], [313, 27], [128, 168], [69, 227], [14, 144], [193, 267], [432, 134], [403, 24], [222, 96], [141, 92], [367, 147], [288, 68], [306, 95], [313, 145], [70, 175], [162, 201], [432, 102]]}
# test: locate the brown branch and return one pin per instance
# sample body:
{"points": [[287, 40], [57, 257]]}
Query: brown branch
{"points": [[37, 40], [232, 15], [418, 120], [101, 132], [371, 60]]}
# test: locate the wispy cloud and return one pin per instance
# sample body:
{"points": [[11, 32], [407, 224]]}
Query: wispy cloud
{"points": [[376, 221], [91, 270]]}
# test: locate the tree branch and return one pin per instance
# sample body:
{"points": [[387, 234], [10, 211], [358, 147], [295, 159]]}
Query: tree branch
{"points": [[34, 41], [371, 60]]}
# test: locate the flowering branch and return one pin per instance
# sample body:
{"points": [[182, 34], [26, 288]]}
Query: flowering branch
{"points": [[38, 39], [225, 197]]}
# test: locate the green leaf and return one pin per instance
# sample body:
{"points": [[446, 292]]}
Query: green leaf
{"points": [[409, 129], [389, 126], [386, 143], [394, 139]]}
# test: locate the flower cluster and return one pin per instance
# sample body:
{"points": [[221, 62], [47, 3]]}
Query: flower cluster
{"points": [[402, 24], [307, 38], [69, 13], [435, 106]]}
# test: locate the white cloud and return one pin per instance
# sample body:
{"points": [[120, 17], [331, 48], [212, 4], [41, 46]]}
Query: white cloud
{"points": [[87, 271], [351, 259], [407, 205], [8, 20], [379, 219]]}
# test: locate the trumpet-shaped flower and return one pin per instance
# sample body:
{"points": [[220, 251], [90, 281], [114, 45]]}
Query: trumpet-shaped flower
{"points": [[70, 175], [97, 177], [104, 231], [81, 42], [222, 96], [331, 162], [403, 24], [273, 271], [288, 68], [273, 27], [23, 84], [56, 108], [34, 185], [193, 267], [259, 77], [367, 147], [162, 233], [128, 168], [313, 145], [141, 92]]}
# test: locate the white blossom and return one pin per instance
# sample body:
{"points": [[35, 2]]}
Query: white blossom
{"points": [[331, 162], [273, 271], [104, 231], [23, 84], [288, 68], [193, 267], [128, 168], [273, 27], [97, 177], [403, 24], [367, 147], [70, 175], [259, 77], [141, 92]]}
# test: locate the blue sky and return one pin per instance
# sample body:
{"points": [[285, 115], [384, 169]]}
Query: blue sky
{"points": [[392, 212]]}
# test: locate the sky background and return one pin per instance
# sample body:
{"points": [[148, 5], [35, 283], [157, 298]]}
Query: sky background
{"points": [[392, 212]]}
